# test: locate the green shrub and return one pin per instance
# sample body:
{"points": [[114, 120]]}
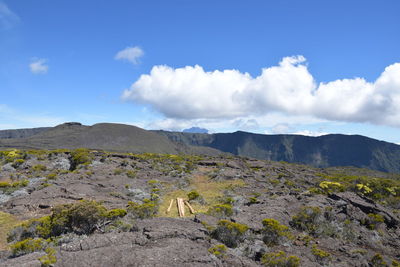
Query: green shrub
{"points": [[378, 261], [373, 221], [228, 200], [221, 210], [44, 185], [118, 171], [330, 187], [218, 250], [8, 188], [24, 183], [307, 219], [131, 174], [80, 156], [49, 259], [289, 183], [4, 184], [52, 176], [82, 217], [279, 259], [306, 239], [119, 225], [364, 189], [142, 211], [27, 246], [12, 155], [39, 168], [395, 263], [18, 162], [321, 256], [274, 232], [116, 213], [230, 233], [153, 183], [154, 197], [274, 181], [192, 195], [253, 200], [374, 187]]}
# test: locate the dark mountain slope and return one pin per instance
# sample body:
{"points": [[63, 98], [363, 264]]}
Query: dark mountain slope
{"points": [[21, 133], [322, 151], [104, 136]]}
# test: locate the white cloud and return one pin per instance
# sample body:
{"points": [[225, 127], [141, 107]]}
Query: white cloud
{"points": [[191, 93], [256, 124], [131, 54], [310, 133], [281, 128], [38, 66], [7, 18]]}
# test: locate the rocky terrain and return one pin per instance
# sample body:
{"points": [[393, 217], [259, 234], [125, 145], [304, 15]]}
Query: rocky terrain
{"points": [[94, 208]]}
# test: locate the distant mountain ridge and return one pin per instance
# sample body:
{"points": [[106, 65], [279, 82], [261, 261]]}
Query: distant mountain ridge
{"points": [[103, 136], [21, 133], [323, 151], [195, 130]]}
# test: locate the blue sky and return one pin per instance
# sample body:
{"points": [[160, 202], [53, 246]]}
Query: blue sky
{"points": [[308, 67]]}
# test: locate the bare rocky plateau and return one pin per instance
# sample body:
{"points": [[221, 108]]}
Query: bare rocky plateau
{"points": [[325, 217]]}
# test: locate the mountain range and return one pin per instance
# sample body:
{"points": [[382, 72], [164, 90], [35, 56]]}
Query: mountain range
{"points": [[323, 151]]}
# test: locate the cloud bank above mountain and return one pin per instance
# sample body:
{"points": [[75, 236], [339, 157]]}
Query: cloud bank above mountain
{"points": [[191, 93]]}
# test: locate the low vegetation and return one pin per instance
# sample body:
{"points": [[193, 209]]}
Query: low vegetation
{"points": [[308, 219], [7, 222], [80, 156], [218, 250], [321, 256], [279, 259], [274, 233], [230, 233], [387, 191], [142, 211], [82, 217]]}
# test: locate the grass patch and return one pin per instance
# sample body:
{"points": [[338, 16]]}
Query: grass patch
{"points": [[7, 222], [211, 191]]}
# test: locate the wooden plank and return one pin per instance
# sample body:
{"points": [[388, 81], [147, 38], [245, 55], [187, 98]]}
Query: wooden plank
{"points": [[181, 210], [170, 206], [182, 205], [190, 207]]}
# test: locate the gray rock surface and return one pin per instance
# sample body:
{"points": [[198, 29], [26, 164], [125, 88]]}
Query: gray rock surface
{"points": [[255, 189]]}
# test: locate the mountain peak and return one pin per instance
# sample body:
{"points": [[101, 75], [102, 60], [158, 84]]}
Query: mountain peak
{"points": [[195, 130]]}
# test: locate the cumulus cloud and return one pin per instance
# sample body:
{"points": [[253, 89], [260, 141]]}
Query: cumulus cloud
{"points": [[39, 66], [7, 18], [289, 88], [130, 54]]}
